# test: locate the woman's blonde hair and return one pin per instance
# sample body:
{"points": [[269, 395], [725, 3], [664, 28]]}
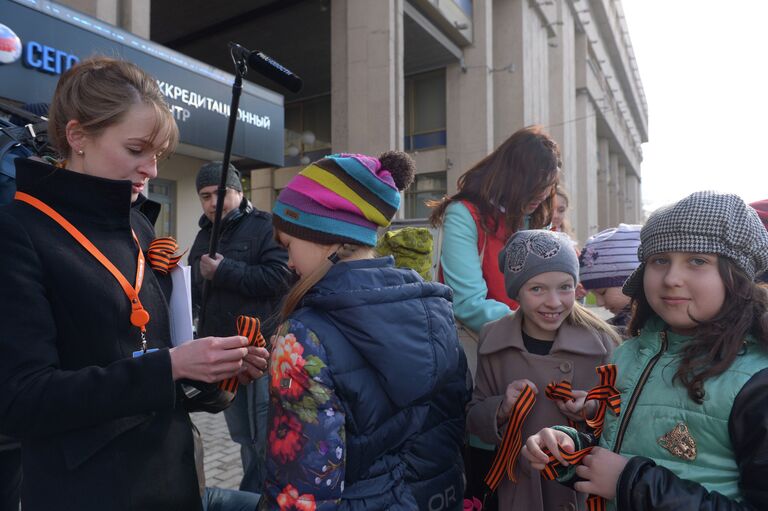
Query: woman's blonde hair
{"points": [[580, 316], [307, 282], [98, 92]]}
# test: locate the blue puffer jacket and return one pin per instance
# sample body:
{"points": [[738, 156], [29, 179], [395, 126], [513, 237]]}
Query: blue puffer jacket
{"points": [[369, 368]]}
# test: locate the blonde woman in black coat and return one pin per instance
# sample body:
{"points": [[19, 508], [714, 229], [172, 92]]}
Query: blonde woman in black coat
{"points": [[100, 414]]}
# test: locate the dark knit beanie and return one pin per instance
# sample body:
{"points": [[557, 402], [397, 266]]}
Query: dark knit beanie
{"points": [[210, 174]]}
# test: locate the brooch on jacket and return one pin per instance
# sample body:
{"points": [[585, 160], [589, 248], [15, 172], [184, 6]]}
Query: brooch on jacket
{"points": [[680, 442]]}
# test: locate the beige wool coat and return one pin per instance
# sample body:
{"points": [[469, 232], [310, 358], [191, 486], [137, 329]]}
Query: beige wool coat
{"points": [[502, 359]]}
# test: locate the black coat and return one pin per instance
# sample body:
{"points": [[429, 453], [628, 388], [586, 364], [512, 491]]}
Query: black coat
{"points": [[99, 429], [252, 278]]}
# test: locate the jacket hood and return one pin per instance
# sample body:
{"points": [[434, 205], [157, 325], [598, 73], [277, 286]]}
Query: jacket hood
{"points": [[402, 325]]}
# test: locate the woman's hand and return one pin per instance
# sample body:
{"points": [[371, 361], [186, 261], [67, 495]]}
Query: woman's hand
{"points": [[511, 396], [209, 359], [551, 439], [600, 470], [255, 364], [579, 407]]}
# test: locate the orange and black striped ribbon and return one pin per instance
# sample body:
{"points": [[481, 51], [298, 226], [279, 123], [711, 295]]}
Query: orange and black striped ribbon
{"points": [[594, 502], [607, 396], [506, 455], [161, 254], [249, 328], [562, 391]]}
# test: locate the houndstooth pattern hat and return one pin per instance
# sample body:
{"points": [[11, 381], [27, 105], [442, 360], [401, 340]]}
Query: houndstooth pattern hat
{"points": [[704, 222]]}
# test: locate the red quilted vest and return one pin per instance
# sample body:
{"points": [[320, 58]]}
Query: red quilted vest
{"points": [[490, 245]]}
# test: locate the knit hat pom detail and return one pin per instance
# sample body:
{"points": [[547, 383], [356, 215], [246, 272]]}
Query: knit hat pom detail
{"points": [[401, 166]]}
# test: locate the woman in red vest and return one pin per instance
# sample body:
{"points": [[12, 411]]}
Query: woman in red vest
{"points": [[512, 188]]}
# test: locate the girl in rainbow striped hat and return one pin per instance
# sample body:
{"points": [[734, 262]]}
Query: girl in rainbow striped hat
{"points": [[367, 378]]}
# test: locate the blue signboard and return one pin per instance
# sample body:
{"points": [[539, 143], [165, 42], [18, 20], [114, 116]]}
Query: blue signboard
{"points": [[39, 40]]}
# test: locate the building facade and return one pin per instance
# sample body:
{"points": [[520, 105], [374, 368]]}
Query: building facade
{"points": [[447, 80]]}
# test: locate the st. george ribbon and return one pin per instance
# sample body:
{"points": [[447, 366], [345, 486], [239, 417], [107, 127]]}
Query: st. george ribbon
{"points": [[269, 68]]}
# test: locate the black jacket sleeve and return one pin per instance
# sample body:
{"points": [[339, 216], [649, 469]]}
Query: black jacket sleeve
{"points": [[267, 276], [644, 485]]}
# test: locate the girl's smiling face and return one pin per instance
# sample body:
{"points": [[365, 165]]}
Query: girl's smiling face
{"points": [[681, 286], [546, 300]]}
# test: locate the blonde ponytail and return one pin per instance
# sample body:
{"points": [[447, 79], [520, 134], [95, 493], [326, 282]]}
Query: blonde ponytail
{"points": [[582, 317]]}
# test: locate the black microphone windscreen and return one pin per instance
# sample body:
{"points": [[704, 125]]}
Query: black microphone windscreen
{"points": [[271, 69]]}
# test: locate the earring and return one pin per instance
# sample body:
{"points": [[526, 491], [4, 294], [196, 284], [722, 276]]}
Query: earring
{"points": [[80, 152]]}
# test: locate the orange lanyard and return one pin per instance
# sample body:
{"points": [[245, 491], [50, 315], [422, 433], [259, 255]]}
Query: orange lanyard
{"points": [[139, 315]]}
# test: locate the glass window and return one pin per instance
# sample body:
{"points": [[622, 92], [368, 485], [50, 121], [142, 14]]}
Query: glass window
{"points": [[426, 187], [425, 107], [163, 191], [313, 119]]}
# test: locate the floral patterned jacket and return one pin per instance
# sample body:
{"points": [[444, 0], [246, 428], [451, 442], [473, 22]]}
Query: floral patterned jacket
{"points": [[306, 436]]}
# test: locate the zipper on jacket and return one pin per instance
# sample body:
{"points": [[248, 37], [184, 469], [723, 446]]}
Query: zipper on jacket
{"points": [[636, 393]]}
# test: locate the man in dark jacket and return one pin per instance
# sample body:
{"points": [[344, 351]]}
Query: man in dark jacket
{"points": [[248, 276]]}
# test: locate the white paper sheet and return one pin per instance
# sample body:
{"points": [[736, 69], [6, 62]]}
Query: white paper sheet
{"points": [[181, 305]]}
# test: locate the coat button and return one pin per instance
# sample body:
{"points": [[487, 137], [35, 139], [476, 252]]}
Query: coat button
{"points": [[566, 367]]}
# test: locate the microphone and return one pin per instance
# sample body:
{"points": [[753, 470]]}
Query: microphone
{"points": [[268, 67]]}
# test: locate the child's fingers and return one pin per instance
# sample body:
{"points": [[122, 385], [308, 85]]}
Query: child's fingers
{"points": [[584, 486], [536, 463], [532, 450]]}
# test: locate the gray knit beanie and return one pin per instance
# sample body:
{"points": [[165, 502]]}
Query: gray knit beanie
{"points": [[210, 174], [530, 253], [706, 223]]}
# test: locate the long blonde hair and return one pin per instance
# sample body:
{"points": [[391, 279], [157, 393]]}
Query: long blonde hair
{"points": [[307, 282], [580, 316]]}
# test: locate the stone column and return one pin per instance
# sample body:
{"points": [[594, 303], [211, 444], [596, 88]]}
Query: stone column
{"points": [[469, 98], [624, 199], [367, 79], [585, 210], [520, 67], [262, 188], [613, 193], [603, 184], [562, 93]]}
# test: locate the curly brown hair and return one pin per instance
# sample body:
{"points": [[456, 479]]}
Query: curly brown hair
{"points": [[718, 341], [521, 168]]}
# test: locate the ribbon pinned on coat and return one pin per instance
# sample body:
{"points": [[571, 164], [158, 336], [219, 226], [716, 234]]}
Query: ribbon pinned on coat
{"points": [[161, 254]]}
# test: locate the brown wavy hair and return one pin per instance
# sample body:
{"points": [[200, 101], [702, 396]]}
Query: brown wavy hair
{"points": [[522, 167], [718, 341]]}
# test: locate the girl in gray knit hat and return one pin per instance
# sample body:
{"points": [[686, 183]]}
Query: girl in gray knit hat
{"points": [[550, 338], [692, 432]]}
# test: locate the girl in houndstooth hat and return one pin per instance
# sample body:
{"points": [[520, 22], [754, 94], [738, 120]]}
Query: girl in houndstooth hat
{"points": [[692, 431]]}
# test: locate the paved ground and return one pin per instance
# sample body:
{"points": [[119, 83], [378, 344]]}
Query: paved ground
{"points": [[222, 456]]}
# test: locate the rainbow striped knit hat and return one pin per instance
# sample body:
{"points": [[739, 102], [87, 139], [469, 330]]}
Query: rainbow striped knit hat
{"points": [[343, 198]]}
